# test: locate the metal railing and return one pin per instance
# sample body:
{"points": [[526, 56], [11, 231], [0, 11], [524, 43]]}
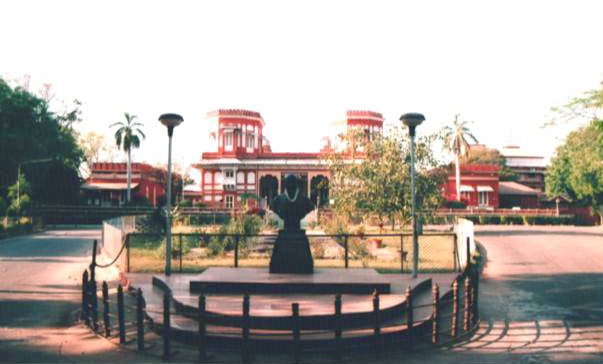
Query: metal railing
{"points": [[442, 321], [438, 251]]}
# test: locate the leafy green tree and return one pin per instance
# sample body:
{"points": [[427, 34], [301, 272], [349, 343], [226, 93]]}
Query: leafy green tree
{"points": [[576, 170], [30, 131], [490, 156], [586, 108], [19, 198], [455, 138], [95, 147], [377, 180], [127, 137]]}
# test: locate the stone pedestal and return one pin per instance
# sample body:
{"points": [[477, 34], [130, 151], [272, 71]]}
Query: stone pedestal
{"points": [[291, 253]]}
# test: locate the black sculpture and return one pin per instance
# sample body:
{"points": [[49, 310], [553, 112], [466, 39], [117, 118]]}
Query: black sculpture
{"points": [[291, 253]]}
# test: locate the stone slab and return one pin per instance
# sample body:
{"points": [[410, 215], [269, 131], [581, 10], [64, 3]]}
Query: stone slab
{"points": [[260, 280]]}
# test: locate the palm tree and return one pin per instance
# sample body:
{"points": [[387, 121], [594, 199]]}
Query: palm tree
{"points": [[456, 141], [126, 138]]}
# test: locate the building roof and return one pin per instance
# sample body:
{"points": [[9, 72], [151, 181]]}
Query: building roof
{"points": [[514, 188], [108, 186], [517, 157], [262, 162]]}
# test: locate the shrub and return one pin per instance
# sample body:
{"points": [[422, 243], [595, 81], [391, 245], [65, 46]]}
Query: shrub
{"points": [[473, 218], [455, 205], [336, 226], [490, 219], [357, 249], [256, 211], [215, 245], [244, 225]]}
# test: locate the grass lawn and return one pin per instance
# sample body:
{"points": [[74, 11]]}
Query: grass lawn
{"points": [[435, 254]]}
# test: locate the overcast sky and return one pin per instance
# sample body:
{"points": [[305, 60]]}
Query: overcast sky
{"points": [[500, 64]]}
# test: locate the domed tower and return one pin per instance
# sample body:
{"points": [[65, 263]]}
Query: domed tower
{"points": [[367, 123], [235, 132]]}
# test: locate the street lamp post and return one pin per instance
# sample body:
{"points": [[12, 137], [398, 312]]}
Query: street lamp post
{"points": [[170, 121], [31, 161], [412, 120]]}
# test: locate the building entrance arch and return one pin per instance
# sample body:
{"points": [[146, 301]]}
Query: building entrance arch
{"points": [[268, 188], [319, 190]]}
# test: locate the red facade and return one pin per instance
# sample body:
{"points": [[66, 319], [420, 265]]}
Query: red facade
{"points": [[107, 184], [241, 162], [479, 185]]}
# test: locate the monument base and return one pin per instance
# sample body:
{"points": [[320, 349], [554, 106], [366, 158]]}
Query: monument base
{"points": [[220, 280], [291, 253]]}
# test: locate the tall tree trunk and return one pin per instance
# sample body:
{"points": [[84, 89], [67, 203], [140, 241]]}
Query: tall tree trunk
{"points": [[457, 164], [129, 172]]}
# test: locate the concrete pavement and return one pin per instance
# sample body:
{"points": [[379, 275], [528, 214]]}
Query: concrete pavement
{"points": [[40, 297], [541, 301]]}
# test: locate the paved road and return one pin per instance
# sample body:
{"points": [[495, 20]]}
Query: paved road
{"points": [[39, 298], [541, 300], [541, 294]]}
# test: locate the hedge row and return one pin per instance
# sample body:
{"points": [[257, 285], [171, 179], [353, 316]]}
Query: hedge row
{"points": [[525, 220], [16, 229]]}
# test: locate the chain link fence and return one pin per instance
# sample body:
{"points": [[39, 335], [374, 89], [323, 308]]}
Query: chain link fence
{"points": [[386, 252]]}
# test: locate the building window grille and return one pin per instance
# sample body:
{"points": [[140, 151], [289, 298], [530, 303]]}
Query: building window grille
{"points": [[483, 198], [229, 173], [228, 140], [229, 201], [249, 141]]}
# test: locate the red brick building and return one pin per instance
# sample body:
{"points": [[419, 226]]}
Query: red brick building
{"points": [[108, 183], [479, 185], [241, 162]]}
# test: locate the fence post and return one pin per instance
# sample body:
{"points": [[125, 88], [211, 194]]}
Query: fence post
{"points": [[106, 320], [338, 327], [468, 264], [180, 255], [139, 321], [295, 329], [454, 253], [245, 326], [472, 319], [166, 326], [93, 298], [436, 313], [475, 295], [85, 315], [236, 252], [120, 315], [376, 325], [346, 251], [94, 249], [402, 253], [127, 253], [202, 329], [409, 316], [455, 308], [467, 303]]}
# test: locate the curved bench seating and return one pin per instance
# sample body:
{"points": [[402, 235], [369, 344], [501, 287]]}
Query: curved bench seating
{"points": [[270, 319]]}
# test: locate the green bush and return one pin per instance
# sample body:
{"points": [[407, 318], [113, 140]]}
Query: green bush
{"points": [[455, 205], [208, 219], [244, 225], [473, 218], [216, 245], [523, 220], [357, 249], [336, 226], [18, 229]]}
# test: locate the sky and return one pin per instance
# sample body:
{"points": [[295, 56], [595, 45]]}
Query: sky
{"points": [[500, 64]]}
